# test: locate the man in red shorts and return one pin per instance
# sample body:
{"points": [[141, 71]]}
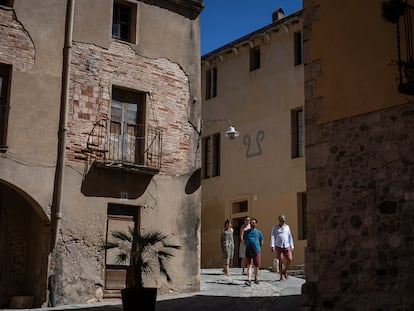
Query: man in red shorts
{"points": [[254, 241], [281, 241]]}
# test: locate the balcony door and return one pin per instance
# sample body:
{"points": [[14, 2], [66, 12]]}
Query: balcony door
{"points": [[127, 132]]}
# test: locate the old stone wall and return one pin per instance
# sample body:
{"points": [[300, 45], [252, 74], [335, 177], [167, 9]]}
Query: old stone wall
{"points": [[95, 70], [360, 178]]}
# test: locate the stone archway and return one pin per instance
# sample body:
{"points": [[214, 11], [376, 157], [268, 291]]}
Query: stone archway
{"points": [[24, 246]]}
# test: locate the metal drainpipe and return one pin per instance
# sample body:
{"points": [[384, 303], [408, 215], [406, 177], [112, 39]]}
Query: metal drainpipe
{"points": [[61, 153]]}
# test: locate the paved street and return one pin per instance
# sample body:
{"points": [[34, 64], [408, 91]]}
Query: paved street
{"points": [[219, 292]]}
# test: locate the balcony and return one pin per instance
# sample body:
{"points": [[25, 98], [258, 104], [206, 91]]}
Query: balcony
{"points": [[399, 13], [133, 147]]}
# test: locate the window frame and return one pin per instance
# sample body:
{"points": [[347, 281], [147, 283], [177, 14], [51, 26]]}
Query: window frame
{"points": [[302, 219], [297, 133], [211, 155], [255, 58], [118, 5], [298, 48], [123, 99], [216, 141], [211, 83], [206, 157], [5, 85], [239, 206]]}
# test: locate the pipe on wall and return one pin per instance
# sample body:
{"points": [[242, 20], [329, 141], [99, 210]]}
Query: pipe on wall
{"points": [[61, 152]]}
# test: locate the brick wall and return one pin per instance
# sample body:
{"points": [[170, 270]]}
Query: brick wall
{"points": [[95, 70], [16, 46]]}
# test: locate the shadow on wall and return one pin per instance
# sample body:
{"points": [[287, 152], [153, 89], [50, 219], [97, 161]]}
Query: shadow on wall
{"points": [[115, 183], [194, 182]]}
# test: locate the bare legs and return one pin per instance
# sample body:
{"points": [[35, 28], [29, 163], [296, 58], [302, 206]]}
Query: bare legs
{"points": [[284, 264], [226, 269], [252, 270], [244, 265]]}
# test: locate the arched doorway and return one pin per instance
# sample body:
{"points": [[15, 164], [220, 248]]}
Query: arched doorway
{"points": [[24, 246]]}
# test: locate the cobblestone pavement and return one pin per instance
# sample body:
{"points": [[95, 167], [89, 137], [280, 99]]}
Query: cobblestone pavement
{"points": [[219, 292]]}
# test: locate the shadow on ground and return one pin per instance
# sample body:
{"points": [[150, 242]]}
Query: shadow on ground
{"points": [[285, 303]]}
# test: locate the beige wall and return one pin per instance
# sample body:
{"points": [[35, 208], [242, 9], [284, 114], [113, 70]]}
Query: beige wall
{"points": [[340, 36], [167, 47], [259, 105]]}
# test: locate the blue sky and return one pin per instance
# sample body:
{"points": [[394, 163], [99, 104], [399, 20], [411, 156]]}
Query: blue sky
{"points": [[223, 21]]}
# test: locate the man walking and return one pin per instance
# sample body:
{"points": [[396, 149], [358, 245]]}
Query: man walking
{"points": [[281, 241], [254, 240]]}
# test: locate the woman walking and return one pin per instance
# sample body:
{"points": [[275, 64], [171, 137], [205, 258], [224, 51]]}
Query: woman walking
{"points": [[227, 246], [242, 246]]}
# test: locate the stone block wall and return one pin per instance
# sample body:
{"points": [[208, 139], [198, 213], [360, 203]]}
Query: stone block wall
{"points": [[360, 177], [360, 202]]}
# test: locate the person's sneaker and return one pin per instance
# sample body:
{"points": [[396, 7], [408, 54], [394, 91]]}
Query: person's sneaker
{"points": [[256, 281], [248, 283]]}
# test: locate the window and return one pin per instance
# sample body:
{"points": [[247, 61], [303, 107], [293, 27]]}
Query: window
{"points": [[211, 83], [211, 156], [240, 207], [302, 227], [206, 157], [254, 58], [297, 39], [7, 3], [127, 131], [5, 77], [298, 141], [216, 155], [124, 21]]}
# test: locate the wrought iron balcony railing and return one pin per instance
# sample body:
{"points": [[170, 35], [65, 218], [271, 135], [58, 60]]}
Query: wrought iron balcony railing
{"points": [[129, 146], [399, 12]]}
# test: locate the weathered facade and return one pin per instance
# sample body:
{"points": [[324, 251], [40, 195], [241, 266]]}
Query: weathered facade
{"points": [[255, 84], [359, 156], [97, 102]]}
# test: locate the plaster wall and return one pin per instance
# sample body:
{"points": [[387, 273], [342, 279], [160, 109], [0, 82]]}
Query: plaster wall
{"points": [[31, 153], [340, 33], [257, 166], [170, 53], [171, 81]]}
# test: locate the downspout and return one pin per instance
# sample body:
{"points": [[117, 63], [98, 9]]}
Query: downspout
{"points": [[56, 213]]}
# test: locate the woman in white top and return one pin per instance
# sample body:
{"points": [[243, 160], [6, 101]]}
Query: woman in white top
{"points": [[281, 241], [242, 246], [227, 246]]}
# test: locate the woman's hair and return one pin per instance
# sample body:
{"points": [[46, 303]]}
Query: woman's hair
{"points": [[226, 222]]}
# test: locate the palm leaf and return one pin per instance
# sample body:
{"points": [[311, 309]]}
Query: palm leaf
{"points": [[147, 251]]}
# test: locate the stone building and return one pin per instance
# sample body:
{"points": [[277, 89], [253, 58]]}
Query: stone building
{"points": [[255, 84], [96, 105], [359, 155]]}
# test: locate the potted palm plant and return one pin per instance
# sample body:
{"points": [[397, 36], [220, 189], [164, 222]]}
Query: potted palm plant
{"points": [[147, 254]]}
